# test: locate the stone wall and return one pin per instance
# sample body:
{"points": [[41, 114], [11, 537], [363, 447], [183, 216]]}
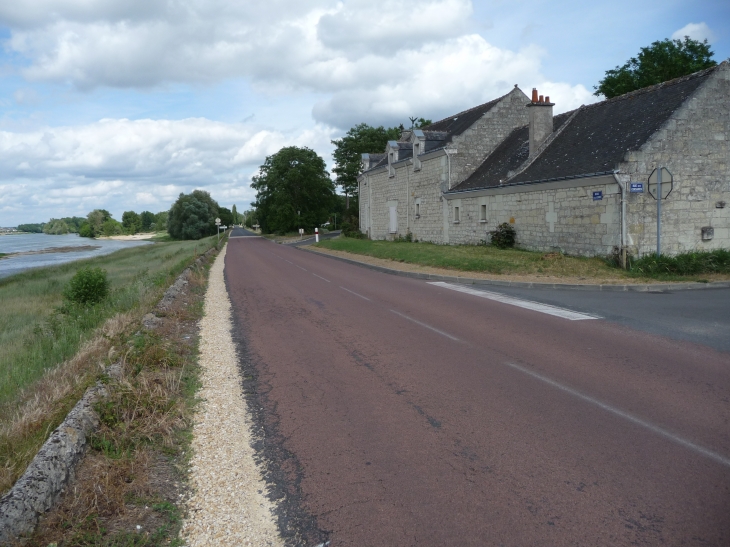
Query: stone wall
{"points": [[695, 146], [559, 216]]}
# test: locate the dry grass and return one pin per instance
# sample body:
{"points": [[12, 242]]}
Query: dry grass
{"points": [[131, 478]]}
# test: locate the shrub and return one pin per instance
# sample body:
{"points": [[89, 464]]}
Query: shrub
{"points": [[350, 230], [88, 286], [503, 236]]}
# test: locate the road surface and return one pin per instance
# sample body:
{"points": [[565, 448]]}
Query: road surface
{"points": [[399, 412]]}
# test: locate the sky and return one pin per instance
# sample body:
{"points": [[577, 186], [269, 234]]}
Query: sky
{"points": [[124, 104]]}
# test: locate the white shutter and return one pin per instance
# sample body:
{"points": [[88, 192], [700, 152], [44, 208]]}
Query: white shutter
{"points": [[393, 220]]}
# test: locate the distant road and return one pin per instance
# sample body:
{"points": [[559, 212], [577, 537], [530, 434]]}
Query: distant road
{"points": [[420, 414]]}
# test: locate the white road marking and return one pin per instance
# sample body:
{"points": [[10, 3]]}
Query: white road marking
{"points": [[353, 292], [242, 237], [527, 304], [327, 280], [298, 266], [625, 415], [434, 329]]}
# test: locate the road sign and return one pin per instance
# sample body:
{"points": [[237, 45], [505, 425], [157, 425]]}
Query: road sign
{"points": [[217, 222], [666, 182], [597, 196], [637, 188]]}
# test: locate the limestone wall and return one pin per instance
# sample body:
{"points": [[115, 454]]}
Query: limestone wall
{"points": [[695, 146]]}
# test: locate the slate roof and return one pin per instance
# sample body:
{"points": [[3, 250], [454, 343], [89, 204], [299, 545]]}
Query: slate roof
{"points": [[595, 140], [458, 123], [440, 133]]}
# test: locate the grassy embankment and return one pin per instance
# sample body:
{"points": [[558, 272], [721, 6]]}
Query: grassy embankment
{"points": [[490, 260], [52, 352]]}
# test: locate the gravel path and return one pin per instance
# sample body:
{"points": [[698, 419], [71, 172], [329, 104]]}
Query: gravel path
{"points": [[228, 506]]}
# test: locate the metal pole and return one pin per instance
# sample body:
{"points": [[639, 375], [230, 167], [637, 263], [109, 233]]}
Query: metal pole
{"points": [[659, 211]]}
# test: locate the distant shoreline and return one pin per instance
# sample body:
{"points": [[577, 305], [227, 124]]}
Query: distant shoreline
{"points": [[52, 250]]}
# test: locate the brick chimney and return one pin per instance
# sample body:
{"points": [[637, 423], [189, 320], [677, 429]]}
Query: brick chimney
{"points": [[541, 120]]}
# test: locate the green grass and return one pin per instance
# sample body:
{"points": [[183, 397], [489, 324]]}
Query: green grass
{"points": [[37, 331], [476, 258], [490, 260], [686, 264]]}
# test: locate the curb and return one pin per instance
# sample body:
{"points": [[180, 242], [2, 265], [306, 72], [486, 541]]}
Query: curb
{"points": [[657, 287], [52, 468]]}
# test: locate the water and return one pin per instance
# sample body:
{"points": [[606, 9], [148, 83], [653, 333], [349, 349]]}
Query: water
{"points": [[35, 242]]}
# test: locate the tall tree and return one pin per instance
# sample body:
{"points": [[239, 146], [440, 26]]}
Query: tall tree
{"points": [[226, 216], [131, 221], [293, 190], [661, 61], [146, 219], [192, 216], [349, 149], [234, 212]]}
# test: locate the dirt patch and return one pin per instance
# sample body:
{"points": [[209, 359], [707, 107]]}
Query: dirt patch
{"points": [[80, 248]]}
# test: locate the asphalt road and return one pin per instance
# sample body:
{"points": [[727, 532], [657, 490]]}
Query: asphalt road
{"points": [[399, 413]]}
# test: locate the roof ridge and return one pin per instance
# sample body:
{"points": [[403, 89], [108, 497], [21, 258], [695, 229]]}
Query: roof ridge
{"points": [[660, 85], [425, 128]]}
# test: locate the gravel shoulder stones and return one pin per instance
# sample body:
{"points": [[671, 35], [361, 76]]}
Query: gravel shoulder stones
{"points": [[229, 504]]}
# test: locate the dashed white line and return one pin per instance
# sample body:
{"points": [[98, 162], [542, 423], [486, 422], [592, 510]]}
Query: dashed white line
{"points": [[434, 329], [327, 280], [511, 300], [625, 415], [353, 292]]}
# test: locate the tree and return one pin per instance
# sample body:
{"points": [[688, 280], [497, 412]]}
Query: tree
{"points": [[226, 216], [55, 227], [111, 227], [661, 61], [131, 222], [160, 223], [234, 212], [349, 149], [192, 216], [147, 219], [96, 219], [31, 228], [293, 190]]}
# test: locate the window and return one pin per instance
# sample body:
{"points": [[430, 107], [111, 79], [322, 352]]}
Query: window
{"points": [[457, 216], [418, 210], [483, 213]]}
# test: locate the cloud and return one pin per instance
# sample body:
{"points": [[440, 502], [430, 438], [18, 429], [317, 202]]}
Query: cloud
{"points": [[696, 31], [141, 164]]}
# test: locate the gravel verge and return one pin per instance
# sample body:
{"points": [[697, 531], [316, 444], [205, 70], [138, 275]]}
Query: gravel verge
{"points": [[229, 504]]}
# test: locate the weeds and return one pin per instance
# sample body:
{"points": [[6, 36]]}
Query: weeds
{"points": [[694, 263]]}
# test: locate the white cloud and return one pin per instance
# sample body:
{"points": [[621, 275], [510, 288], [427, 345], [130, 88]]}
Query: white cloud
{"points": [[696, 31], [143, 164]]}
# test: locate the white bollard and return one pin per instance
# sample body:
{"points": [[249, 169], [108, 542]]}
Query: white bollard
{"points": [[316, 235]]}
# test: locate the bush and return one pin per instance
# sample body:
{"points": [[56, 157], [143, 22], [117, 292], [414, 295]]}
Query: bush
{"points": [[699, 262], [88, 286], [350, 230], [503, 237]]}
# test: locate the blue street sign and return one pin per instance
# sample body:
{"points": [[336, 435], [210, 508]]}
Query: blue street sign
{"points": [[598, 195], [637, 187]]}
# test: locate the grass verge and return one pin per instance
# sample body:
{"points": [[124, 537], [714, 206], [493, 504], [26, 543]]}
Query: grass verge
{"points": [[52, 352], [129, 486], [490, 260]]}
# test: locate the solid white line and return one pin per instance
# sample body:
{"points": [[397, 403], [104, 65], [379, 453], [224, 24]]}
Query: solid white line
{"points": [[327, 280], [527, 304], [353, 292], [633, 419], [434, 329]]}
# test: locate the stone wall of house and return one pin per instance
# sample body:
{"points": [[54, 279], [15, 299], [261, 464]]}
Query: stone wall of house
{"points": [[695, 146], [424, 186], [476, 143], [546, 217]]}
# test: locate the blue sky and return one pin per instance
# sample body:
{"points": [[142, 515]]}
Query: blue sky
{"points": [[123, 104]]}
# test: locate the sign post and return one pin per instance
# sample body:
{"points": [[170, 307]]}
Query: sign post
{"points": [[218, 227], [316, 235], [661, 183]]}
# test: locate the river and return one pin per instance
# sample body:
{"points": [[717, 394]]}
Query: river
{"points": [[41, 250]]}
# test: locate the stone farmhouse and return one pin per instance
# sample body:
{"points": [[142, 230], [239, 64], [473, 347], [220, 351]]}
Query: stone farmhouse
{"points": [[576, 182]]}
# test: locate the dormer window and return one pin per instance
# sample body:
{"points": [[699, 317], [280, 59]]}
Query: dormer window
{"points": [[392, 157], [419, 147]]}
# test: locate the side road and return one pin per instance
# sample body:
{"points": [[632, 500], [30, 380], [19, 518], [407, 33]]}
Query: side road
{"points": [[228, 505]]}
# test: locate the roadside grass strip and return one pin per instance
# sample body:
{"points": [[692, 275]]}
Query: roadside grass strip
{"points": [[512, 301]]}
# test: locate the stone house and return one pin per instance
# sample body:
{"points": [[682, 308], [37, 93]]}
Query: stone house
{"points": [[576, 182]]}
